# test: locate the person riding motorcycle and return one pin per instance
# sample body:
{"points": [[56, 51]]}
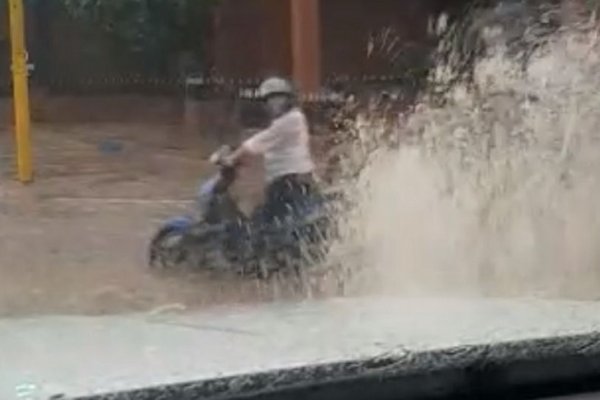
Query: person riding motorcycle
{"points": [[285, 146]]}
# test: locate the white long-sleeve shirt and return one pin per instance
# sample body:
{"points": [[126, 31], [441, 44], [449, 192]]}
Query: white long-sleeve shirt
{"points": [[285, 146]]}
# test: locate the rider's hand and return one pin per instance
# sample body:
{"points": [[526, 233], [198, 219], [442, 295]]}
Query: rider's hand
{"points": [[228, 161], [215, 158], [223, 157]]}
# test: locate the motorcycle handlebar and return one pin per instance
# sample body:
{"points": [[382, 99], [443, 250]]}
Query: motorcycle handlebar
{"points": [[219, 157]]}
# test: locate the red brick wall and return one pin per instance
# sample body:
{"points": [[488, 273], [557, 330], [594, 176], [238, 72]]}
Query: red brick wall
{"points": [[253, 36], [277, 51], [347, 25]]}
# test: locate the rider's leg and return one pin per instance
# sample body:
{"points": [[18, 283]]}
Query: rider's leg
{"points": [[286, 194]]}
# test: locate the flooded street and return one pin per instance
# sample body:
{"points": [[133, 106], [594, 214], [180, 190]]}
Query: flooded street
{"points": [[75, 241], [431, 223], [490, 190]]}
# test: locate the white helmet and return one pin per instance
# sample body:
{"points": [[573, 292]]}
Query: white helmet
{"points": [[273, 86]]}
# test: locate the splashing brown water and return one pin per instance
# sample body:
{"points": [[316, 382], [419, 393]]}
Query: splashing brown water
{"points": [[496, 192]]}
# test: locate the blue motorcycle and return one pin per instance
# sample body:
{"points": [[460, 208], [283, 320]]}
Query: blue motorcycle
{"points": [[219, 237]]}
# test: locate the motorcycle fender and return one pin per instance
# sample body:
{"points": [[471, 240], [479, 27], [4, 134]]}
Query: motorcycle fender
{"points": [[178, 224]]}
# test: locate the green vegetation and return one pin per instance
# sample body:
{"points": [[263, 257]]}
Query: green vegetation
{"points": [[153, 29]]}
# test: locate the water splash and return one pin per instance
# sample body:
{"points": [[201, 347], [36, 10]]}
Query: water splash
{"points": [[496, 190]]}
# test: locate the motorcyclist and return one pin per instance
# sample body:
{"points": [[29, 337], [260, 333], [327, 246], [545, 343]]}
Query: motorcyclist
{"points": [[285, 146]]}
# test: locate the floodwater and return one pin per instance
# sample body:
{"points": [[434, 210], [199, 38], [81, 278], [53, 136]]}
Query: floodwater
{"points": [[495, 191], [75, 240], [492, 193]]}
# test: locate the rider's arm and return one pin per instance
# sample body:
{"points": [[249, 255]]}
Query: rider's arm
{"points": [[263, 141], [283, 129], [258, 144]]}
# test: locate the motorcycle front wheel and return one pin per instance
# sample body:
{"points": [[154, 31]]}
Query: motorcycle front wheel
{"points": [[167, 251]]}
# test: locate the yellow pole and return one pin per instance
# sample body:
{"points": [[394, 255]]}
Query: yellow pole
{"points": [[20, 90]]}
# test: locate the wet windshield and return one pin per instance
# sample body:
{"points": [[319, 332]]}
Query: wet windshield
{"points": [[403, 178]]}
